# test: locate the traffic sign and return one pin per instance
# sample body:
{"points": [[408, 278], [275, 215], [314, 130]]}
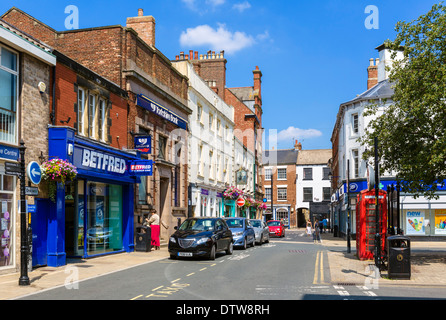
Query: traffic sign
{"points": [[12, 168], [31, 191], [34, 172], [240, 202]]}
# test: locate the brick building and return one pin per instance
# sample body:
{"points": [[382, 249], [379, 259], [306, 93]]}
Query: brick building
{"points": [[26, 65], [280, 185], [157, 101]]}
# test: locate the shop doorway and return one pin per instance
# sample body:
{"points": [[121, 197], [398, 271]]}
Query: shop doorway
{"points": [[164, 207]]}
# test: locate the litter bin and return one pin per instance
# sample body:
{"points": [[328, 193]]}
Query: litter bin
{"points": [[398, 257], [143, 239]]}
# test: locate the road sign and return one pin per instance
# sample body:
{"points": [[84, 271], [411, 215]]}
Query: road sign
{"points": [[12, 168], [31, 191], [240, 202], [34, 172]]}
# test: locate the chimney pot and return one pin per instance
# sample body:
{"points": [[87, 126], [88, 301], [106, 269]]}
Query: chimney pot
{"points": [[371, 62], [140, 12]]}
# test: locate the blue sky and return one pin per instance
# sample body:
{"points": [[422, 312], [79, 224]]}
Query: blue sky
{"points": [[313, 54]]}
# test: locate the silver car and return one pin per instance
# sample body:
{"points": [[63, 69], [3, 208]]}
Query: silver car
{"points": [[261, 230]]}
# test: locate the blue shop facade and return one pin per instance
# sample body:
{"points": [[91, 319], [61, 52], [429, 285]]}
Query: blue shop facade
{"points": [[92, 215]]}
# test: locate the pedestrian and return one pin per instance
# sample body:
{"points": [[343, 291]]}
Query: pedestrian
{"points": [[325, 223], [154, 223], [321, 226], [308, 228], [316, 233]]}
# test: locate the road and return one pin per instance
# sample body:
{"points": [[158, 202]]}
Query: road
{"points": [[290, 268]]}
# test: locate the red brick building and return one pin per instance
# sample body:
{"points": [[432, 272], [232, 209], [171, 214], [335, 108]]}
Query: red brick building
{"points": [[156, 107]]}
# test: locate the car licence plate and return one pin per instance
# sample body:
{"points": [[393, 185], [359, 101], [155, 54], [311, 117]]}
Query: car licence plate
{"points": [[185, 254]]}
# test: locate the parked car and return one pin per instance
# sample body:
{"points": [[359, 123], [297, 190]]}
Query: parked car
{"points": [[261, 231], [276, 228], [242, 232], [201, 237]]}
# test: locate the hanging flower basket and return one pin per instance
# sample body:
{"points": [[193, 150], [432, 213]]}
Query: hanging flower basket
{"points": [[57, 171], [232, 193]]}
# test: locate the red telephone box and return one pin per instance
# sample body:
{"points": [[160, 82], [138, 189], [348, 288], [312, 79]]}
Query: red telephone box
{"points": [[366, 223]]}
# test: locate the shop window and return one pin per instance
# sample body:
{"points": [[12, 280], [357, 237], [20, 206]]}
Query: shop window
{"points": [[8, 95], [7, 185]]}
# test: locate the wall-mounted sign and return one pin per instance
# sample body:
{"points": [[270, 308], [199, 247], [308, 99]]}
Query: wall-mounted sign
{"points": [[242, 177], [144, 144], [140, 167], [98, 161], [161, 111], [9, 153]]}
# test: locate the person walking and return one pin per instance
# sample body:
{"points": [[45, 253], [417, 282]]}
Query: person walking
{"points": [[308, 228], [154, 223], [316, 233]]}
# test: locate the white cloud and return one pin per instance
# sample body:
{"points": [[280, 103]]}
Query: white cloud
{"points": [[298, 134], [201, 5], [242, 6], [216, 39]]}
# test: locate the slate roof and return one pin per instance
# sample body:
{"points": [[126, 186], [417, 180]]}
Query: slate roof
{"points": [[279, 157], [382, 90]]}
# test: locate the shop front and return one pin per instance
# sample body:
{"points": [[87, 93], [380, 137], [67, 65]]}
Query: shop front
{"points": [[92, 215], [8, 209]]}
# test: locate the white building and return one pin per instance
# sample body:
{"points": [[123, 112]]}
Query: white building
{"points": [[211, 145], [350, 125], [312, 185]]}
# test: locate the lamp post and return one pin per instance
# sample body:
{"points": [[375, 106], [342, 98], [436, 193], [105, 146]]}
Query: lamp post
{"points": [[377, 224], [24, 246], [349, 247]]}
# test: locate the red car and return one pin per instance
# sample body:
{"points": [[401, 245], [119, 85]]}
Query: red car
{"points": [[276, 228]]}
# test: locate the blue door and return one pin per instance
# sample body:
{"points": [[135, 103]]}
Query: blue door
{"points": [[39, 225]]}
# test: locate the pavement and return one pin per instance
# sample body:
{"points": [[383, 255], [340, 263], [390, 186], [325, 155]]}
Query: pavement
{"points": [[428, 262]]}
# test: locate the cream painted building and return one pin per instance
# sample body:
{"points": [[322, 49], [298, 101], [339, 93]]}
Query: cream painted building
{"points": [[211, 145]]}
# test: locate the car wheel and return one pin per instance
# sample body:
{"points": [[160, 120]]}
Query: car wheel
{"points": [[245, 243], [173, 257], [230, 249], [253, 242], [267, 239], [261, 239], [212, 253]]}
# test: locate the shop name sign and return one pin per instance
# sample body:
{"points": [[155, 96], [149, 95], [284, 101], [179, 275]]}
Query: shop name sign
{"points": [[161, 111], [100, 161], [141, 167]]}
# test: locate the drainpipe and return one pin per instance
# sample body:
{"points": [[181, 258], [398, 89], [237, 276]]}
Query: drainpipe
{"points": [[53, 107]]}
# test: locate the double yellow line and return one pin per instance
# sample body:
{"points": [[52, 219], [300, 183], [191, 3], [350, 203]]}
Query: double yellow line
{"points": [[319, 269]]}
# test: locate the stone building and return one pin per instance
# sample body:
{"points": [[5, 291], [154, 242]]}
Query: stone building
{"points": [[26, 65]]}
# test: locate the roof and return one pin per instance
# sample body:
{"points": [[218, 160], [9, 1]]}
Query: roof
{"points": [[243, 93], [318, 156], [279, 157], [382, 90]]}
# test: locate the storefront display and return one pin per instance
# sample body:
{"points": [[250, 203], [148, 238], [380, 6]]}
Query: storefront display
{"points": [[440, 221], [415, 222], [97, 209]]}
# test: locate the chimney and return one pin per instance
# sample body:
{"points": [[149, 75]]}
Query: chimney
{"points": [[372, 72], [258, 90], [144, 26], [298, 146]]}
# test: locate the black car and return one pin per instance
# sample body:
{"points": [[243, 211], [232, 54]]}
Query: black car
{"points": [[201, 237]]}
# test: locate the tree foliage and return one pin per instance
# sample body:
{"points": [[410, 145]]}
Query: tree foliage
{"points": [[412, 130]]}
